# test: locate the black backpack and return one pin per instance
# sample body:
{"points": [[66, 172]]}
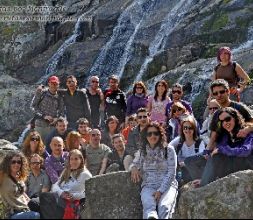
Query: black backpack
{"points": [[180, 145]]}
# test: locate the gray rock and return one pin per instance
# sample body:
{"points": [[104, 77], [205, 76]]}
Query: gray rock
{"points": [[112, 196], [226, 198], [5, 147]]}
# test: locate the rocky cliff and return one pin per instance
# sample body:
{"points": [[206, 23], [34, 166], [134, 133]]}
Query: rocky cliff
{"points": [[140, 39]]}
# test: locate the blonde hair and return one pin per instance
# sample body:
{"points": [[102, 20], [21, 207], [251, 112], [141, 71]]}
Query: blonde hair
{"points": [[72, 137], [67, 171]]}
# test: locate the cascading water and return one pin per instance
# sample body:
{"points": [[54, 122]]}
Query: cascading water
{"points": [[175, 16], [247, 44], [114, 55]]}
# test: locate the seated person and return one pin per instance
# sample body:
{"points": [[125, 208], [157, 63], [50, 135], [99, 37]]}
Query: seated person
{"points": [[33, 144], [55, 163], [119, 160], [233, 153], [38, 181], [70, 188], [188, 145], [74, 141], [83, 127], [131, 124], [96, 154], [205, 132], [59, 131]]}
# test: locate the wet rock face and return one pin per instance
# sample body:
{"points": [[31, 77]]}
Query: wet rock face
{"points": [[227, 198], [112, 196]]}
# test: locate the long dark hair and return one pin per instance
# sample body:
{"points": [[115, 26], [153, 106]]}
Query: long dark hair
{"points": [[162, 143], [165, 84], [112, 118]]}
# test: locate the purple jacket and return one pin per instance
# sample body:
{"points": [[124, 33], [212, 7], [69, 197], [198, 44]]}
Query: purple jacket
{"points": [[54, 166], [241, 149], [134, 103]]}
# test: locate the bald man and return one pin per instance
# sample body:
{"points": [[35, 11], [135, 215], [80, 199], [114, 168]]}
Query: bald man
{"points": [[55, 163]]}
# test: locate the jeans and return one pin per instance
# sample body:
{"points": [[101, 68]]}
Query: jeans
{"points": [[165, 207], [26, 215]]}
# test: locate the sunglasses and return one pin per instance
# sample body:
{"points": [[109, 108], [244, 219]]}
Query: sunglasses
{"points": [[219, 92], [139, 88], [94, 135], [176, 91], [185, 128], [227, 119], [16, 162], [69, 82], [155, 133], [35, 139], [213, 108], [177, 110], [142, 116], [35, 163], [95, 81]]}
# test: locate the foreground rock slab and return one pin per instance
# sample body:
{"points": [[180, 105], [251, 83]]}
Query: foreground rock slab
{"points": [[227, 198], [113, 196]]}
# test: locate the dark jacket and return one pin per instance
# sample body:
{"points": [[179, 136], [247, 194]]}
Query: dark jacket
{"points": [[134, 103], [77, 106], [134, 141], [115, 104]]}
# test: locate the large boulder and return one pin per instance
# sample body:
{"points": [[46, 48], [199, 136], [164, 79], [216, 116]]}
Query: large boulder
{"points": [[226, 198], [113, 196]]}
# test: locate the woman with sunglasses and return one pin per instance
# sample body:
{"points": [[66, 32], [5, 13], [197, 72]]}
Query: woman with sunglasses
{"points": [[188, 148], [230, 71], [232, 153], [70, 188], [111, 128], [138, 99], [14, 169], [33, 144], [156, 164], [157, 103]]}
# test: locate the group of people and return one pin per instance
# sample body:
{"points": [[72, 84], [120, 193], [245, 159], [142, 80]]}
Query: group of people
{"points": [[80, 133]]}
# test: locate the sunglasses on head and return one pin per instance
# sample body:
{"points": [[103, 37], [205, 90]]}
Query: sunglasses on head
{"points": [[185, 128], [35, 139], [227, 119], [155, 133], [142, 116], [16, 162], [176, 91], [219, 92], [213, 108]]}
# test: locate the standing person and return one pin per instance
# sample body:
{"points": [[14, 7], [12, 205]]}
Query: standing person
{"points": [[48, 106], [55, 163], [119, 160], [157, 103], [134, 138], [38, 181], [111, 128], [70, 188], [177, 94], [230, 71], [233, 153], [34, 144], [138, 99], [115, 100], [61, 130], [12, 187], [158, 163], [76, 102], [96, 100], [97, 154]]}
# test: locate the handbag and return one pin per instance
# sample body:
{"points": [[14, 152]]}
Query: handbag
{"points": [[72, 209]]}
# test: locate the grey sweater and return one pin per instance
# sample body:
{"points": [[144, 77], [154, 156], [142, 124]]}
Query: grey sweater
{"points": [[158, 172]]}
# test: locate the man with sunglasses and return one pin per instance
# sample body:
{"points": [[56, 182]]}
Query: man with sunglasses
{"points": [[177, 94], [76, 102], [220, 91], [134, 138], [48, 106], [38, 181], [96, 99]]}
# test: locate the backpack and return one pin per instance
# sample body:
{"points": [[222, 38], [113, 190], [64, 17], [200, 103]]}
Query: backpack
{"points": [[180, 145]]}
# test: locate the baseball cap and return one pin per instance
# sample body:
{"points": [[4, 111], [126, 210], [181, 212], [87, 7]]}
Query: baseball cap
{"points": [[53, 79]]}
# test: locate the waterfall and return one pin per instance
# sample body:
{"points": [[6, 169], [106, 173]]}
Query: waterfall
{"points": [[248, 44], [175, 16], [115, 54]]}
